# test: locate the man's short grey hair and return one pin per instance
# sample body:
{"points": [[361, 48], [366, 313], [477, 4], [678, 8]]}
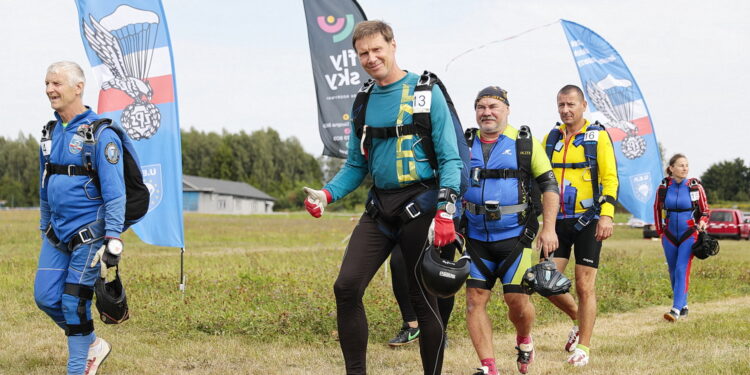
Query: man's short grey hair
{"points": [[71, 70]]}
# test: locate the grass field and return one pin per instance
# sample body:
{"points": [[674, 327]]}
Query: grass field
{"points": [[259, 300]]}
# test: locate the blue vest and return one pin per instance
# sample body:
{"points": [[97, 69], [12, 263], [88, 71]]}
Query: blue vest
{"points": [[503, 190]]}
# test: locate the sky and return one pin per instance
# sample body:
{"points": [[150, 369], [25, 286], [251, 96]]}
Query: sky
{"points": [[245, 65]]}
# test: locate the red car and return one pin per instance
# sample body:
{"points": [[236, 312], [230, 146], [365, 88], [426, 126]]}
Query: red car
{"points": [[725, 222]]}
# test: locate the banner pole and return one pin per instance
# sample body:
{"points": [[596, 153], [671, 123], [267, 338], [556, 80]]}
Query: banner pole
{"points": [[182, 269]]}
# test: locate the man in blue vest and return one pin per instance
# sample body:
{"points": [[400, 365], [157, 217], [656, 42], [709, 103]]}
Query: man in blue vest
{"points": [[408, 199], [501, 223], [82, 204]]}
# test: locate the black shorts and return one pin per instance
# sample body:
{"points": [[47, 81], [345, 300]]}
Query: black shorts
{"points": [[494, 254], [587, 248]]}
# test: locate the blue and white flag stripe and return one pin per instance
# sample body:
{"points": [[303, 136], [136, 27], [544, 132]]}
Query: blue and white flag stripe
{"points": [[616, 101], [128, 46]]}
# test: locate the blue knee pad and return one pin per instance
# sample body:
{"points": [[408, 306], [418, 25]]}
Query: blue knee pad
{"points": [[76, 306]]}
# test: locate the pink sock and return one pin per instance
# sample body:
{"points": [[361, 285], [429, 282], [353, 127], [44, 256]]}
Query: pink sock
{"points": [[490, 363], [523, 340]]}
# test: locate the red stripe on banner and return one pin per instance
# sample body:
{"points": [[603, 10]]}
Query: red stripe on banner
{"points": [[643, 124], [115, 100]]}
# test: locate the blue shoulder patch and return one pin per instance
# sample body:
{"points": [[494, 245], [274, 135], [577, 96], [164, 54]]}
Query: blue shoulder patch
{"points": [[112, 153]]}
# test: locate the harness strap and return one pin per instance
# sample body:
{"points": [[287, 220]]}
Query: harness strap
{"points": [[390, 131], [84, 294], [673, 239], [81, 237], [411, 210], [678, 209], [480, 209], [579, 165], [79, 329], [477, 261], [497, 173], [70, 170], [80, 291]]}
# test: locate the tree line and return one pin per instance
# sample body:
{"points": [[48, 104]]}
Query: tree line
{"points": [[262, 159], [279, 167]]}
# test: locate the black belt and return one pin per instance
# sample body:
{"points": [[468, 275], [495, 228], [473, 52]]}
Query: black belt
{"points": [[81, 237]]}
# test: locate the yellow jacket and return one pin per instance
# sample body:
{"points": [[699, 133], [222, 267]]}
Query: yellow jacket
{"points": [[576, 193]]}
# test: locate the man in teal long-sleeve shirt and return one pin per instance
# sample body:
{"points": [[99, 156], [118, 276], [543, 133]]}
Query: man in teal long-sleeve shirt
{"points": [[409, 198]]}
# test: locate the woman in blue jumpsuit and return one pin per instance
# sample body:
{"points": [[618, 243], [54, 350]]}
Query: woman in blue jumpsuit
{"points": [[680, 211]]}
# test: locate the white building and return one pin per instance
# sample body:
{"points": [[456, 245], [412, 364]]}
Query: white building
{"points": [[212, 196]]}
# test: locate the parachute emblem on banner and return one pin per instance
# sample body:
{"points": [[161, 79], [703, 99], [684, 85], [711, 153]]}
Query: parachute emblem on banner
{"points": [[126, 48], [608, 91]]}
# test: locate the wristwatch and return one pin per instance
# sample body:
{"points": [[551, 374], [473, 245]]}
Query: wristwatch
{"points": [[114, 247], [450, 208], [447, 200]]}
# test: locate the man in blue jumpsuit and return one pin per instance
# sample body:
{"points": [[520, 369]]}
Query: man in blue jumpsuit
{"points": [[501, 224], [408, 199], [82, 206]]}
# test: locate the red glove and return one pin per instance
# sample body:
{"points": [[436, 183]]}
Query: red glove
{"points": [[442, 232], [316, 201]]}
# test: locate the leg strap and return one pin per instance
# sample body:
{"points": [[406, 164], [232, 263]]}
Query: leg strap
{"points": [[79, 329], [84, 293]]}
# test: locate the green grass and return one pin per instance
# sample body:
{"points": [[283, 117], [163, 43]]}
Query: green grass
{"points": [[261, 279]]}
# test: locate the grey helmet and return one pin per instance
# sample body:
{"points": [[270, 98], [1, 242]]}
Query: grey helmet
{"points": [[545, 279]]}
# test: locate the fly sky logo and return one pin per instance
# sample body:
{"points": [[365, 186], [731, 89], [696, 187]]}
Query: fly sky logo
{"points": [[616, 101], [127, 44], [336, 71], [340, 27]]}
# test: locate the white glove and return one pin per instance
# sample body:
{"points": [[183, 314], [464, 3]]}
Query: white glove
{"points": [[316, 201]]}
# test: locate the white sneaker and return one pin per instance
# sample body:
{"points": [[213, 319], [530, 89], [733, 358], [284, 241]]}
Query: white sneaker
{"points": [[97, 354], [579, 358], [572, 339]]}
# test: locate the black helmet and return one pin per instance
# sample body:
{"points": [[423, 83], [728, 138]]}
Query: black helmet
{"points": [[705, 246], [444, 278], [545, 279], [111, 300]]}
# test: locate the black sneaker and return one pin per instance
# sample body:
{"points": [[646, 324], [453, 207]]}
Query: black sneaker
{"points": [[684, 312], [405, 336]]}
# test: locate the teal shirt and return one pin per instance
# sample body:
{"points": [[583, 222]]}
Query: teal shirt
{"points": [[398, 162]]}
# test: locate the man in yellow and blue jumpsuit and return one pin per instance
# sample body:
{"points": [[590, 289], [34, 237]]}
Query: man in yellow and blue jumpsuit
{"points": [[584, 220]]}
